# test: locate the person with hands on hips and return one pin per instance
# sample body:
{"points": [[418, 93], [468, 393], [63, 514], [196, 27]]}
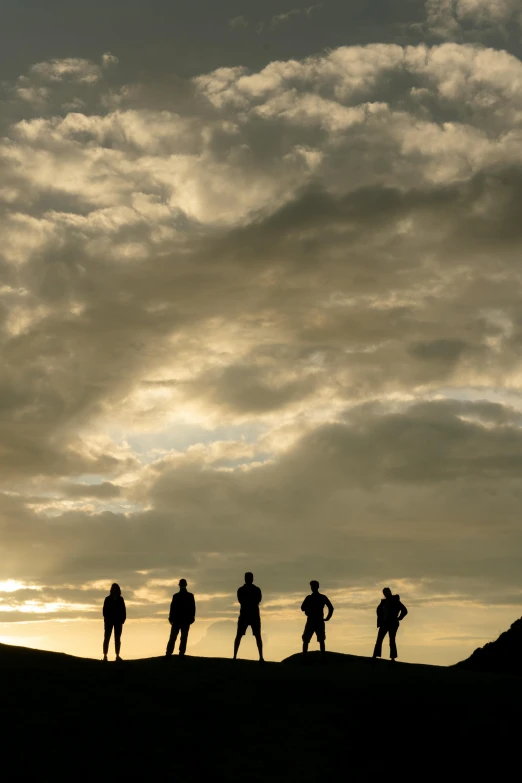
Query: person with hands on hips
{"points": [[313, 607], [390, 612]]}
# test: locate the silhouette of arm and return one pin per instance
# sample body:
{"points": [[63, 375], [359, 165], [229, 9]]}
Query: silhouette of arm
{"points": [[105, 610], [171, 612], [378, 610], [330, 608], [304, 605], [403, 613], [260, 596], [193, 609], [123, 611], [239, 596]]}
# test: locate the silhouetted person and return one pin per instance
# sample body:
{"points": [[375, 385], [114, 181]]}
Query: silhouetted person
{"points": [[313, 607], [114, 616], [389, 614], [249, 597], [181, 616]]}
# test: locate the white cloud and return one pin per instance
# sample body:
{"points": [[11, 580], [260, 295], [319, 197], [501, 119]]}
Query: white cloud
{"points": [[447, 18], [73, 69], [286, 16], [108, 60], [241, 22]]}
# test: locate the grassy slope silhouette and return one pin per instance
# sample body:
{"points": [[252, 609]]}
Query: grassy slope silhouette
{"points": [[215, 719], [504, 655]]}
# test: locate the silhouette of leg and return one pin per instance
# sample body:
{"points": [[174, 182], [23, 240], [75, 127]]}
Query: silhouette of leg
{"points": [[259, 643], [393, 646], [377, 650], [172, 639], [307, 635], [242, 625], [183, 639], [320, 632], [107, 637], [237, 642], [117, 638]]}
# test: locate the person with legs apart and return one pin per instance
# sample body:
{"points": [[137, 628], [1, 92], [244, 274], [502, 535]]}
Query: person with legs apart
{"points": [[313, 607], [181, 616], [249, 597]]}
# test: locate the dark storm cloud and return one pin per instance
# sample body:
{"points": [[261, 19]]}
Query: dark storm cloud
{"points": [[155, 37], [191, 36], [439, 350], [250, 389]]}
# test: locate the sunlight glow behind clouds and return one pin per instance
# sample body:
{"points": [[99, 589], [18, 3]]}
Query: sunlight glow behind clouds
{"points": [[11, 586]]}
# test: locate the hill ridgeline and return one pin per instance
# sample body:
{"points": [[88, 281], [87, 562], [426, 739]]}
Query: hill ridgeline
{"points": [[504, 655]]}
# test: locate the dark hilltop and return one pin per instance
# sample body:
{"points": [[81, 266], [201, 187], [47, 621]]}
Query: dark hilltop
{"points": [[504, 655], [208, 719]]}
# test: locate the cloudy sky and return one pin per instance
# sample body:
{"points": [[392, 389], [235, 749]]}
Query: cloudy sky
{"points": [[261, 309]]}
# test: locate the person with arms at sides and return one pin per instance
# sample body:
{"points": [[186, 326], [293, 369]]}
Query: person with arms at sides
{"points": [[249, 597], [114, 616], [313, 607], [181, 616], [389, 614]]}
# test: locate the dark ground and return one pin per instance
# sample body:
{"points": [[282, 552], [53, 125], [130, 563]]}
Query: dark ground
{"points": [[213, 719], [502, 655]]}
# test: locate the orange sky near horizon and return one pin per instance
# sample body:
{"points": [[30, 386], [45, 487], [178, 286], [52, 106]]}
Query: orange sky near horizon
{"points": [[429, 634]]}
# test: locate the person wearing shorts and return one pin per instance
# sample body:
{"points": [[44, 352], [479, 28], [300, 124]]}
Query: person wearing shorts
{"points": [[249, 597], [313, 606]]}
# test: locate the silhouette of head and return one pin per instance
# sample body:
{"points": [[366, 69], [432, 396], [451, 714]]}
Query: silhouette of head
{"points": [[183, 584], [387, 592], [249, 578], [314, 584], [115, 589]]}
